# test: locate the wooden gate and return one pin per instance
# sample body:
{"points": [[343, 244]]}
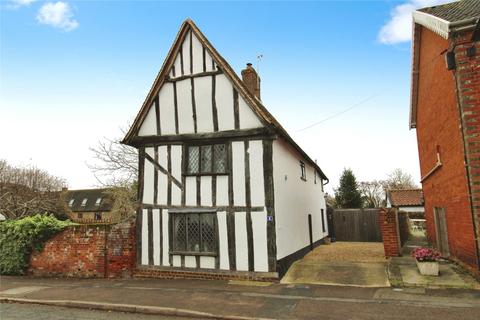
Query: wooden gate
{"points": [[356, 225]]}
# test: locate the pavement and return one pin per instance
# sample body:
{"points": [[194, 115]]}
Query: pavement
{"points": [[242, 300], [361, 264]]}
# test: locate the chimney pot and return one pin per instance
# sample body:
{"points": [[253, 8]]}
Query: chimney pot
{"points": [[251, 80]]}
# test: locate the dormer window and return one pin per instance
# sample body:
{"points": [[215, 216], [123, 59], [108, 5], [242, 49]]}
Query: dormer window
{"points": [[70, 203], [99, 200], [84, 202]]}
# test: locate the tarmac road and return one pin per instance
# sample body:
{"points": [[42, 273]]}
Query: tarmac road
{"points": [[18, 311], [238, 300]]}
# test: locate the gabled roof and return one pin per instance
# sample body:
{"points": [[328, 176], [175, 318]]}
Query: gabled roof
{"points": [[406, 198], [445, 20], [91, 195], [254, 103]]}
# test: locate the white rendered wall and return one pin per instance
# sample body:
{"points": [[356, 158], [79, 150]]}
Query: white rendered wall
{"points": [[294, 200], [202, 86]]}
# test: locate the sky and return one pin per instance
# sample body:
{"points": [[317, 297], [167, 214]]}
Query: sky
{"points": [[335, 74]]}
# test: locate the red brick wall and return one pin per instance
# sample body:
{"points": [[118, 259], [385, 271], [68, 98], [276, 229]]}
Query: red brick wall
{"points": [[88, 251], [468, 85], [438, 123], [387, 219]]}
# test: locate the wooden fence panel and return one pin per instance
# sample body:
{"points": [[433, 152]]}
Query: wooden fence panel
{"points": [[359, 225]]}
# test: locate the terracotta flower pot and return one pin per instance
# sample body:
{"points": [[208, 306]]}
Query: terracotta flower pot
{"points": [[427, 268]]}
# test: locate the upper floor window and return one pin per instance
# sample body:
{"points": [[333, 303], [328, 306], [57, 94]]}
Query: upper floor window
{"points": [[207, 159], [303, 171], [98, 216], [84, 202], [70, 203], [99, 200]]}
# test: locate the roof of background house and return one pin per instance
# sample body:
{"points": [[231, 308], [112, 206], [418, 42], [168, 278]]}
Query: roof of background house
{"points": [[455, 11], [406, 198], [255, 104], [92, 195]]}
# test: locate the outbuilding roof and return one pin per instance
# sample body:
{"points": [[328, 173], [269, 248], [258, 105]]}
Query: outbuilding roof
{"points": [[406, 198]]}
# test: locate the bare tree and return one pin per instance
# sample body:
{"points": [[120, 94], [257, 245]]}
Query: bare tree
{"points": [[398, 179], [114, 164], [28, 190], [373, 193]]}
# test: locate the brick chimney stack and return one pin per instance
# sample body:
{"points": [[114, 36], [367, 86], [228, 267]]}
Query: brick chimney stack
{"points": [[251, 80]]}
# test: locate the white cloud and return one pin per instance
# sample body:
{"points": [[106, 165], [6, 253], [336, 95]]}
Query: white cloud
{"points": [[20, 3], [58, 15], [399, 27]]}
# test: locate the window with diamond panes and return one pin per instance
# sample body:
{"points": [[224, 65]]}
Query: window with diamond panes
{"points": [[194, 233], [207, 159]]}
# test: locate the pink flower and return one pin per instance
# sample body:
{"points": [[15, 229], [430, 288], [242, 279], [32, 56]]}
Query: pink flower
{"points": [[426, 254]]}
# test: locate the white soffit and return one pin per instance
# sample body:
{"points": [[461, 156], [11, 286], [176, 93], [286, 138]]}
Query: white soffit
{"points": [[437, 25]]}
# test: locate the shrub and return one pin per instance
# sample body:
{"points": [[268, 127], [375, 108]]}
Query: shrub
{"points": [[18, 238], [426, 254]]}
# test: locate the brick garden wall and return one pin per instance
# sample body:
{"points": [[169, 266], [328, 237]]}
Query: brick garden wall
{"points": [[105, 251]]}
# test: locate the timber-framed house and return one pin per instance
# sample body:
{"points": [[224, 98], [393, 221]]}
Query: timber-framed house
{"points": [[224, 191]]}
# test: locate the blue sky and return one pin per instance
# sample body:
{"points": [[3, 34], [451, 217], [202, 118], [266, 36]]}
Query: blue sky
{"points": [[73, 72]]}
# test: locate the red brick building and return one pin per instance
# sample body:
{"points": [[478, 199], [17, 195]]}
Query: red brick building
{"points": [[445, 110]]}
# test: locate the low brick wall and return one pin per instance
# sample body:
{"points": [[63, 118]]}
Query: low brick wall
{"points": [[169, 273], [387, 218], [86, 251]]}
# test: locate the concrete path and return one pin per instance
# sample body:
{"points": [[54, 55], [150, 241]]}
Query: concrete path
{"points": [[403, 272], [223, 300], [341, 263]]}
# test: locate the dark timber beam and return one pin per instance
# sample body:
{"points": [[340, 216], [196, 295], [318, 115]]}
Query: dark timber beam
{"points": [[163, 170], [264, 133], [191, 76]]}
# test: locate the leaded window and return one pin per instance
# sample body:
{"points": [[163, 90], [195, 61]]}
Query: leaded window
{"points": [[207, 159], [194, 233]]}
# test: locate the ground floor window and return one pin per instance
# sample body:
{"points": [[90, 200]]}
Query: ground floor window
{"points": [[194, 232]]}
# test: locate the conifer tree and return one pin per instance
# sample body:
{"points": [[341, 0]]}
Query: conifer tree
{"points": [[347, 195]]}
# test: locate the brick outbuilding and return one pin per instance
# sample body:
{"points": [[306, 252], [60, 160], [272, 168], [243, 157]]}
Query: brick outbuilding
{"points": [[445, 110]]}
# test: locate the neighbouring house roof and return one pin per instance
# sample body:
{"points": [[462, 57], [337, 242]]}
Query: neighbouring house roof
{"points": [[91, 203], [445, 20], [406, 198], [253, 102]]}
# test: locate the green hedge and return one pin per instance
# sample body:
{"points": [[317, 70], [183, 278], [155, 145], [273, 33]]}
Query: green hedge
{"points": [[18, 238]]}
